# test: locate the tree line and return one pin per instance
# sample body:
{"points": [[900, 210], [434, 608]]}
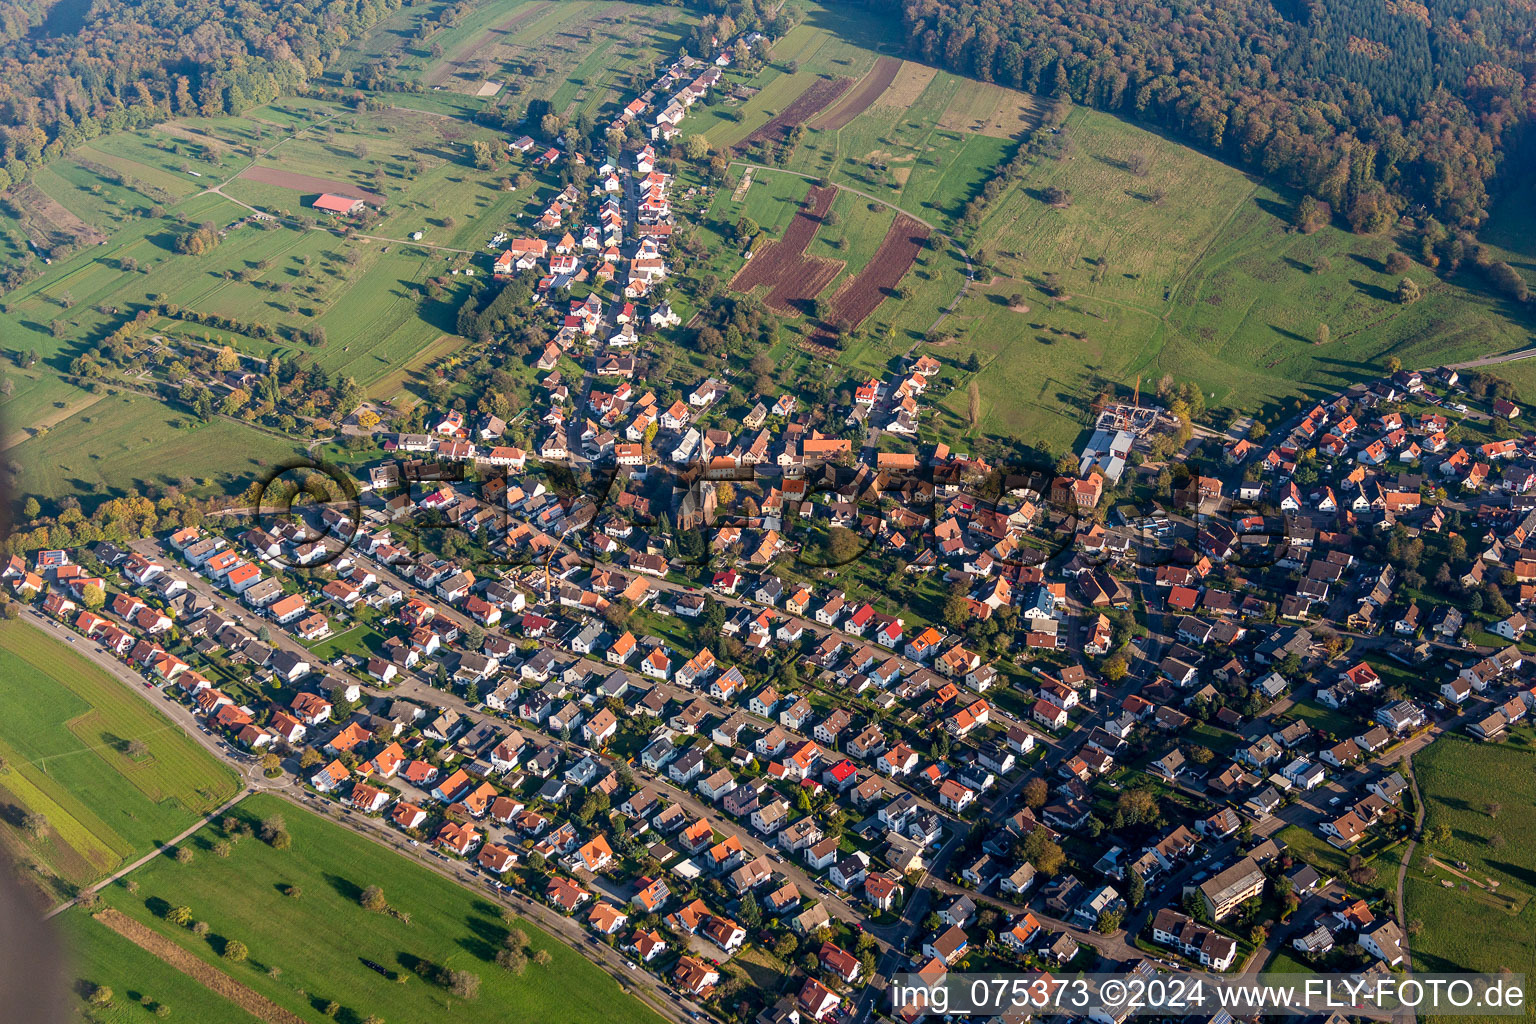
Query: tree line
{"points": [[132, 64], [1372, 108]]}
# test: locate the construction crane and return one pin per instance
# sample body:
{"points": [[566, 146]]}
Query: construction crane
{"points": [[1123, 419]]}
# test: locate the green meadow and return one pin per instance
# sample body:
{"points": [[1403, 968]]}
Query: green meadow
{"points": [[70, 740], [1481, 919], [242, 897]]}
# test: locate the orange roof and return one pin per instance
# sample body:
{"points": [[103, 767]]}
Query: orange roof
{"points": [[387, 761], [595, 852], [335, 771], [407, 815], [352, 736], [725, 849]]}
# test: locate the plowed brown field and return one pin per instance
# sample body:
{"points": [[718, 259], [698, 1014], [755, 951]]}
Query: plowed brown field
{"points": [[859, 297], [871, 87], [816, 98], [792, 277], [308, 183]]}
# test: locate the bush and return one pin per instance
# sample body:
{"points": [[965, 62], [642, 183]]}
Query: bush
{"points": [[372, 899], [464, 984]]}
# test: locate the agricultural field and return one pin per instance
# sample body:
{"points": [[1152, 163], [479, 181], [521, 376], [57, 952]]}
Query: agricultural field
{"points": [[579, 56], [852, 237], [1152, 259], [858, 99], [770, 199], [243, 897], [1224, 293], [854, 233], [792, 279], [40, 401], [862, 293], [128, 441], [134, 193], [1482, 920], [839, 256], [110, 775]]}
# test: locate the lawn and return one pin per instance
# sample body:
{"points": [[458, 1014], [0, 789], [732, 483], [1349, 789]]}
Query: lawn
{"points": [[1318, 852], [129, 441], [1285, 962], [241, 897], [65, 741], [1465, 928], [357, 638], [1329, 720]]}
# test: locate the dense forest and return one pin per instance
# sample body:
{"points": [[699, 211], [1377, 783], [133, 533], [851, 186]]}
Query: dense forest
{"points": [[116, 64], [1370, 106]]}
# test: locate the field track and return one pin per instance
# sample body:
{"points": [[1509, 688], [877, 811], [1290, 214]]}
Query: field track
{"points": [[198, 970], [792, 277], [817, 97], [870, 88], [305, 183]]}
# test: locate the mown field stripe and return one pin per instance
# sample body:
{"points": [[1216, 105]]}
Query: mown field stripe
{"points": [[210, 977], [73, 822]]}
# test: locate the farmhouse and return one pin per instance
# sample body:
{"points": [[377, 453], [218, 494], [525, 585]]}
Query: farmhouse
{"points": [[334, 204]]}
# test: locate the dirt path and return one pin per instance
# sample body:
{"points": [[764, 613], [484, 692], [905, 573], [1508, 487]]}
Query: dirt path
{"points": [[211, 816], [53, 419], [200, 971], [1443, 866]]}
